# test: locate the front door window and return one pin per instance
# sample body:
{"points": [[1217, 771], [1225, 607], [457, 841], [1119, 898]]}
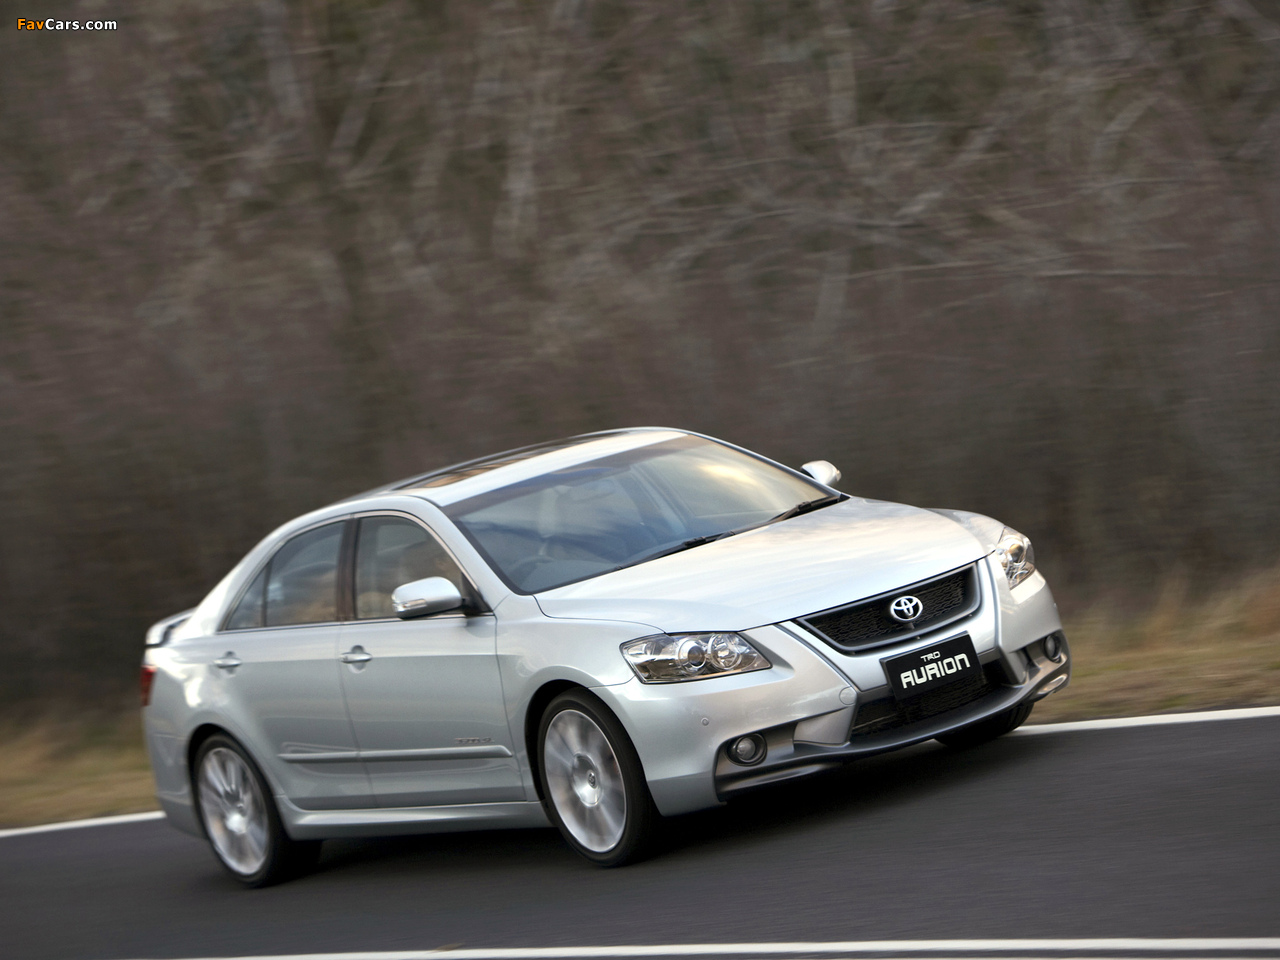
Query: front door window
{"points": [[390, 553]]}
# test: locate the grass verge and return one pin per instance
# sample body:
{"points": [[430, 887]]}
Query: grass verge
{"points": [[55, 768], [1223, 651], [1181, 654]]}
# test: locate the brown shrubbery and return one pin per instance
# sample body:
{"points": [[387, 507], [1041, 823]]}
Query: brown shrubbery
{"points": [[1017, 258]]}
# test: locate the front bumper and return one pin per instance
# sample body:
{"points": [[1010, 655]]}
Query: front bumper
{"points": [[813, 707], [789, 758]]}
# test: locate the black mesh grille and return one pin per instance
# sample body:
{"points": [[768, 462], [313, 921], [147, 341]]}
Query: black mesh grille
{"points": [[877, 716], [868, 624]]}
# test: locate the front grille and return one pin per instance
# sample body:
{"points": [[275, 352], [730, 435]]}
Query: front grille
{"points": [[866, 624], [877, 716]]}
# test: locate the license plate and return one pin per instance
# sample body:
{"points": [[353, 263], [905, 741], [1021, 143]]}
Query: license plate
{"points": [[920, 671]]}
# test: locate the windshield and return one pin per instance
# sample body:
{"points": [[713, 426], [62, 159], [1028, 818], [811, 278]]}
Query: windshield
{"points": [[599, 516]]}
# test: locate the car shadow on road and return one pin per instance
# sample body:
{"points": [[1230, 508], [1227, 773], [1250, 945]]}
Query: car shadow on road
{"points": [[850, 792], [790, 808]]}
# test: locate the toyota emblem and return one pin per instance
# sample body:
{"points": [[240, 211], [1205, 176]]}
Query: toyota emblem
{"points": [[906, 609]]}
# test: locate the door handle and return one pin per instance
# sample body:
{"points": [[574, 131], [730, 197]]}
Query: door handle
{"points": [[228, 662], [356, 654]]}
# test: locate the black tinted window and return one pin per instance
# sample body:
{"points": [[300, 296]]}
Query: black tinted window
{"points": [[302, 586], [391, 552], [248, 612]]}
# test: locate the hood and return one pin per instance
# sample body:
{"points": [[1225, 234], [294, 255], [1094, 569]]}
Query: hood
{"points": [[835, 555]]}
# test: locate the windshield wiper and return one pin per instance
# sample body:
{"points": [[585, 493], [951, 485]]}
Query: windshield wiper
{"points": [[795, 511], [686, 545], [808, 505]]}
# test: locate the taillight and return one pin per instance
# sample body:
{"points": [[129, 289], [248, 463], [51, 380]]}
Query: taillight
{"points": [[148, 678]]}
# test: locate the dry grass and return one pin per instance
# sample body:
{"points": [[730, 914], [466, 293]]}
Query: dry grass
{"points": [[1182, 655], [54, 769]]}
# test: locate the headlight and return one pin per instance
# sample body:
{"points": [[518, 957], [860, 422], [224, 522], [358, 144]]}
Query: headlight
{"points": [[1015, 554], [692, 656]]}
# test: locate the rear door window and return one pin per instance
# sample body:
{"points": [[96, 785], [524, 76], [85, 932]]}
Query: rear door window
{"points": [[248, 614], [302, 579]]}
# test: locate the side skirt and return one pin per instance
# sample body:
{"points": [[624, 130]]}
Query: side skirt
{"points": [[394, 821]]}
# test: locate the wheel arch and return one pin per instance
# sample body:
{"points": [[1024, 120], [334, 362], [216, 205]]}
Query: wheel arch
{"points": [[209, 729], [538, 704], [198, 736]]}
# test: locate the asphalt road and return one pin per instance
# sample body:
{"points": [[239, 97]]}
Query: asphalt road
{"points": [[1170, 831]]}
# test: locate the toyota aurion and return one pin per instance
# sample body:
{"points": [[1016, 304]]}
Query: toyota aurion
{"points": [[596, 634]]}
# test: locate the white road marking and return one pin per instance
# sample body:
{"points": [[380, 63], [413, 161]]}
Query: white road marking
{"points": [[1002, 948], [1154, 720], [77, 824]]}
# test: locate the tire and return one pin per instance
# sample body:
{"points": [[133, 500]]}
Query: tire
{"points": [[594, 787], [988, 729], [240, 819]]}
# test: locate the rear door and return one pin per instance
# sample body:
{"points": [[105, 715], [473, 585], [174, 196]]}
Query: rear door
{"points": [[274, 670], [424, 695]]}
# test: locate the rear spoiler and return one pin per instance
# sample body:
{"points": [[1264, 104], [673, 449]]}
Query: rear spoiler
{"points": [[158, 634]]}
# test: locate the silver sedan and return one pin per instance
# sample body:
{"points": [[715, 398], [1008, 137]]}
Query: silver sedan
{"points": [[596, 633]]}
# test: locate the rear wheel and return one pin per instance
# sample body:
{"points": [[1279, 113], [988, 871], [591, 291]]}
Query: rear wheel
{"points": [[988, 729], [240, 818], [594, 786]]}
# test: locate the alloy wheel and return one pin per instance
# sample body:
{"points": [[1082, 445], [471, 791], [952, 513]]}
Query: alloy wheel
{"points": [[235, 811], [584, 780]]}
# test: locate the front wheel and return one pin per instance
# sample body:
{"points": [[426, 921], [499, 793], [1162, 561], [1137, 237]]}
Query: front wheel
{"points": [[988, 729], [240, 819], [594, 786]]}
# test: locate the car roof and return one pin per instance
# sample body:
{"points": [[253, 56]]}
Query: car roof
{"points": [[473, 477]]}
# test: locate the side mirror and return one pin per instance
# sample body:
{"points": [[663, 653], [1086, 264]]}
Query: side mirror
{"points": [[421, 597], [822, 471]]}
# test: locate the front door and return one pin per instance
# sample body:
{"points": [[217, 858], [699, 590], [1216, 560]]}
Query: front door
{"points": [[424, 695]]}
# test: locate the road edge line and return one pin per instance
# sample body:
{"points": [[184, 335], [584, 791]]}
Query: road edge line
{"points": [[864, 947], [78, 824], [1150, 720]]}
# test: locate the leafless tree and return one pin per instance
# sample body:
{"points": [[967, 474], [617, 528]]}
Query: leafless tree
{"points": [[1020, 259]]}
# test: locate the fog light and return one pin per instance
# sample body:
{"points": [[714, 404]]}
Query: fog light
{"points": [[1053, 647], [748, 750]]}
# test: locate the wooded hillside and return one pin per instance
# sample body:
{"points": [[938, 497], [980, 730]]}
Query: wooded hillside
{"points": [[1016, 257]]}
